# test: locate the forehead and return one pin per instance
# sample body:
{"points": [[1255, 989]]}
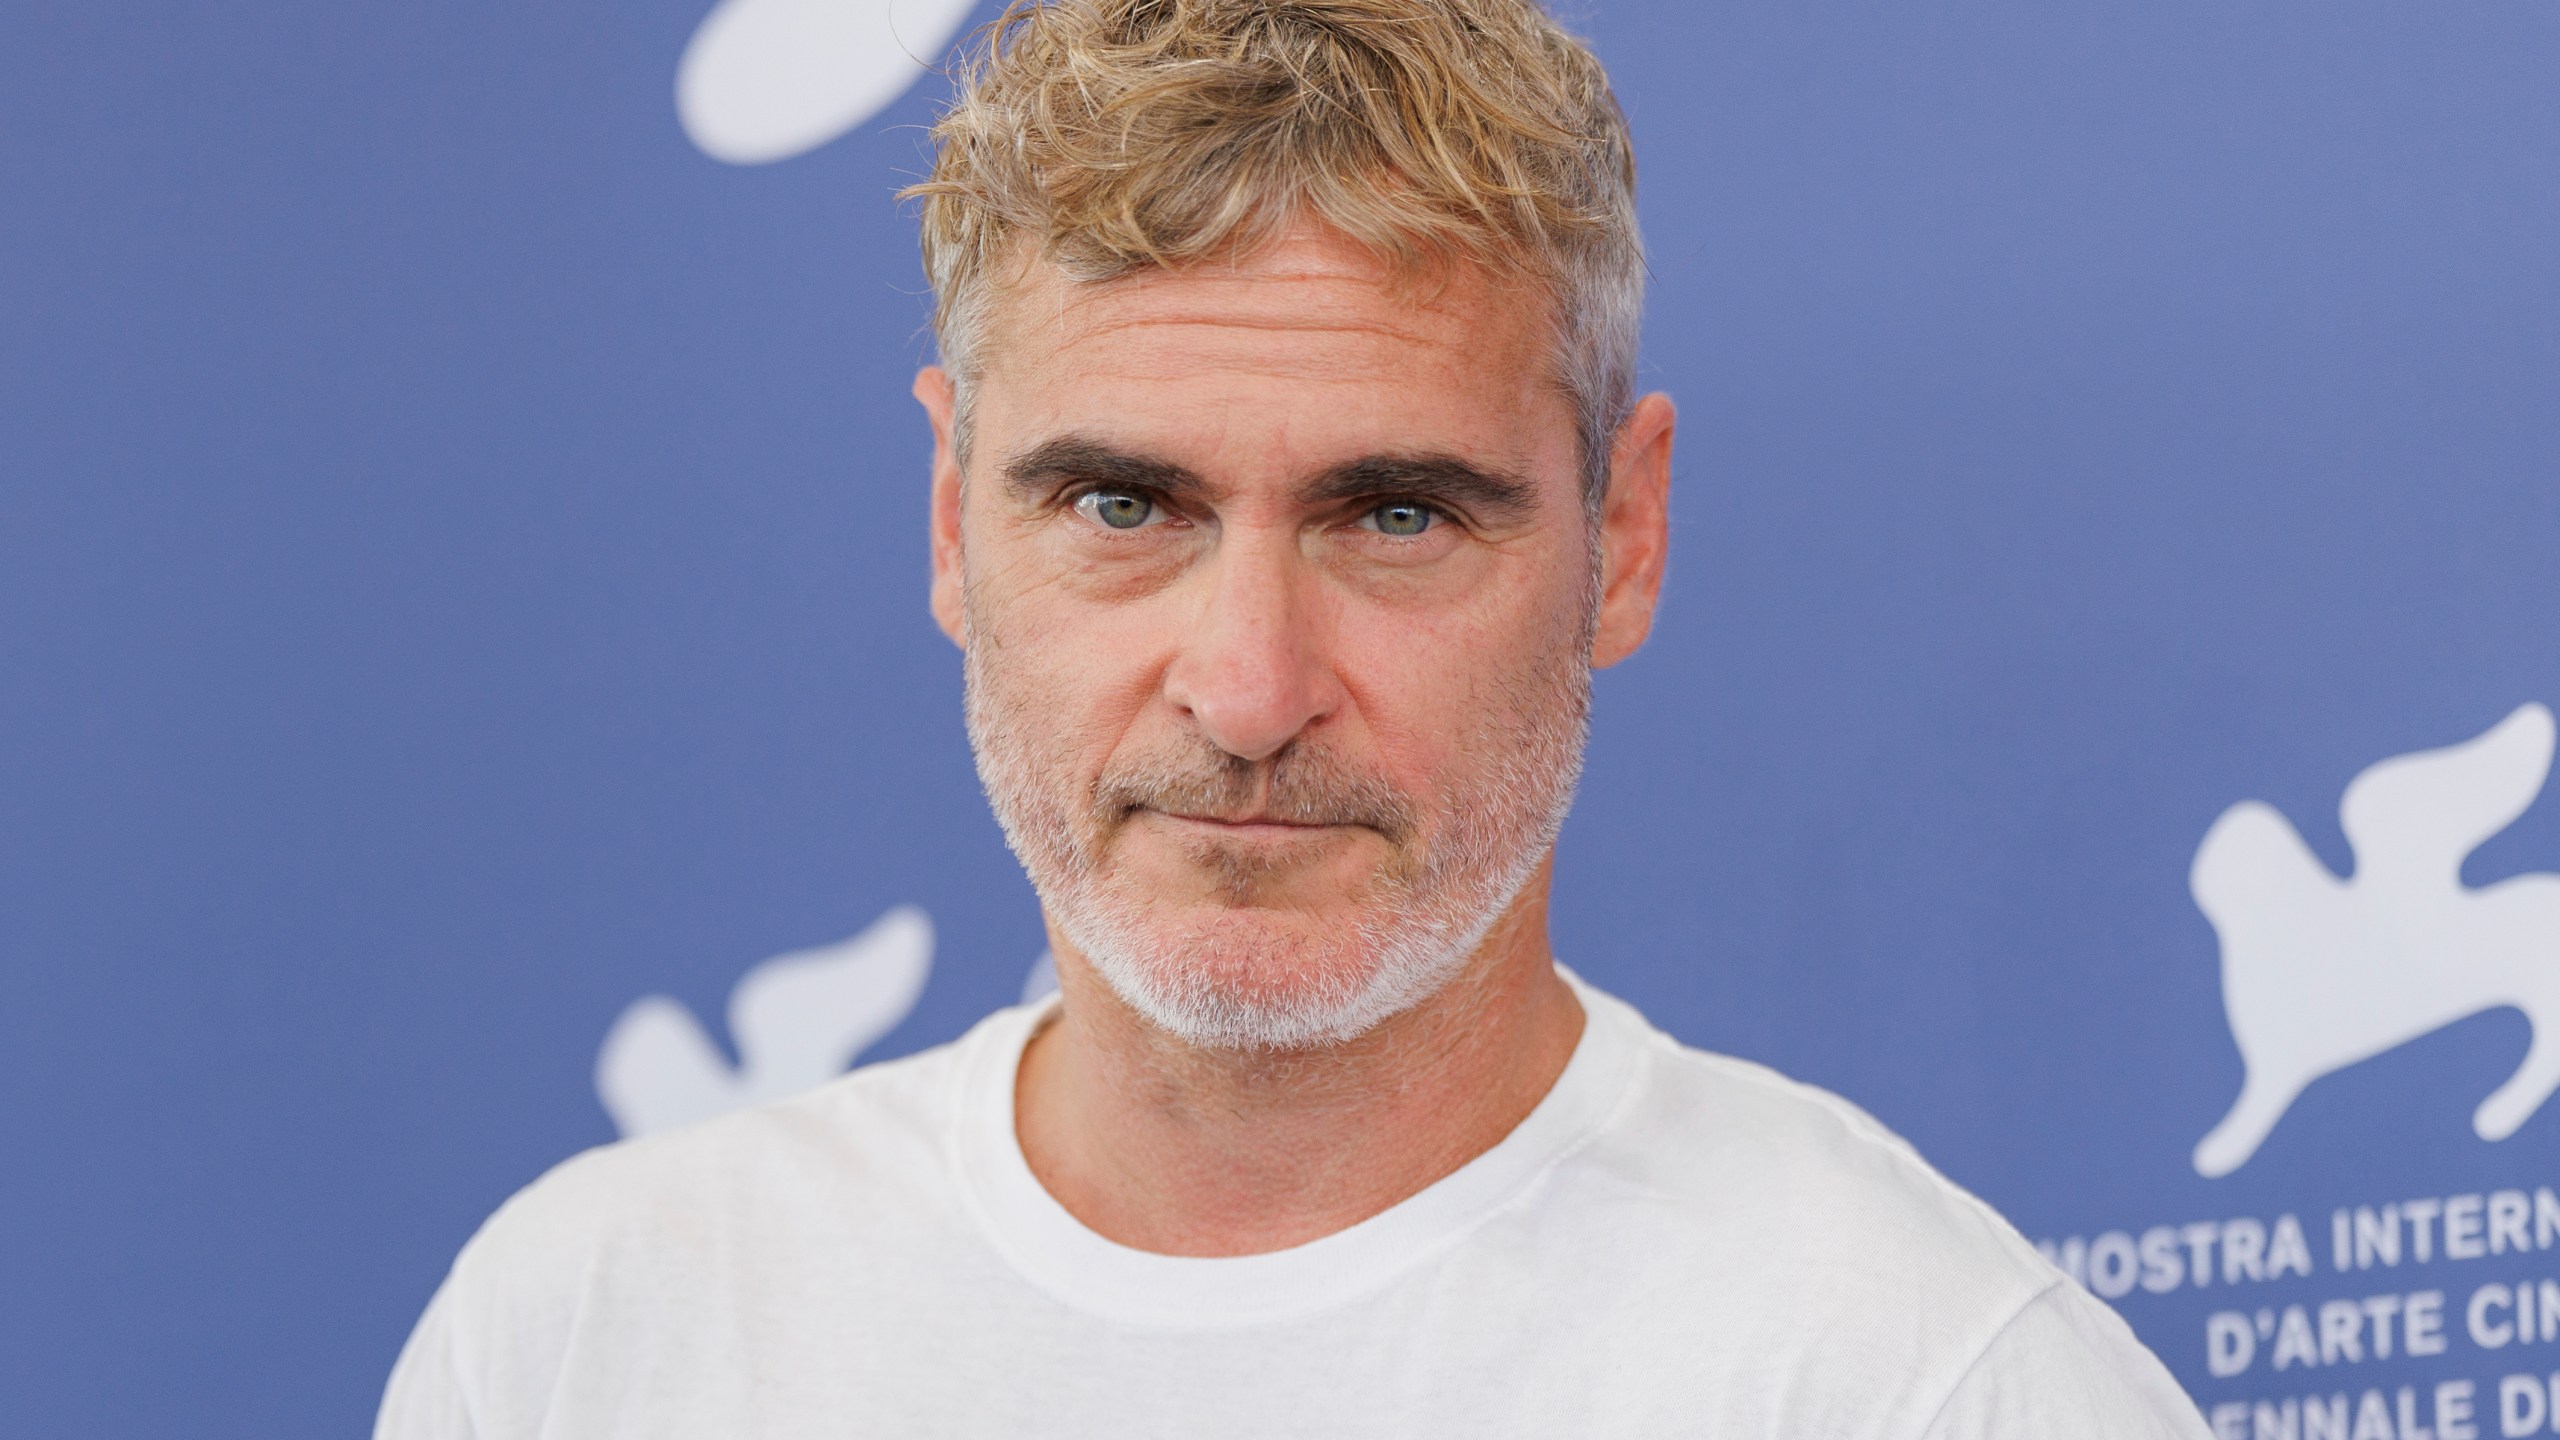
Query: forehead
{"points": [[1306, 353]]}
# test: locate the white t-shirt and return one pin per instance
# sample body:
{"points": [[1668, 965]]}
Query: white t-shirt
{"points": [[1672, 1243]]}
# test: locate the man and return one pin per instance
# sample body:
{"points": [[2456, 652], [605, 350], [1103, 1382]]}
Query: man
{"points": [[1287, 485]]}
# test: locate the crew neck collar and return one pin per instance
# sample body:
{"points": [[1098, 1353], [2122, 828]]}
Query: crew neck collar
{"points": [[1057, 1252]]}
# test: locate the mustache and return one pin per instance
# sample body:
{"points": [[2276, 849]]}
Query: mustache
{"points": [[1301, 785]]}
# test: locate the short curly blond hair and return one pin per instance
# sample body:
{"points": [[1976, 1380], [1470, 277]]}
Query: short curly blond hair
{"points": [[1110, 136]]}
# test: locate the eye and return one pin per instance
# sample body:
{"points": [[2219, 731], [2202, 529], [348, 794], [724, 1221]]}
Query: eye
{"points": [[1117, 509], [1400, 518]]}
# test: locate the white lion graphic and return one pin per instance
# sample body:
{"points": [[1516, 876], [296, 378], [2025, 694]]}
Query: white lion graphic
{"points": [[764, 80], [798, 1020], [2319, 973]]}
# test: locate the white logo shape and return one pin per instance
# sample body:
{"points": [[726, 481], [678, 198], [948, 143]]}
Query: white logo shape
{"points": [[764, 80], [2319, 973], [798, 1020]]}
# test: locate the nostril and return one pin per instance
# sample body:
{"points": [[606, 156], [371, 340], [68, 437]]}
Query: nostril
{"points": [[1250, 712]]}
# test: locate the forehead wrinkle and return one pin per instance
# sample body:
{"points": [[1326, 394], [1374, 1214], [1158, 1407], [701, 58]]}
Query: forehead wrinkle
{"points": [[1312, 301], [1201, 343], [1209, 341], [1362, 376], [1471, 314], [1084, 329]]}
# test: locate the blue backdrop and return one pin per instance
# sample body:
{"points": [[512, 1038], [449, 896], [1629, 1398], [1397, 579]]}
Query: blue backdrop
{"points": [[462, 570]]}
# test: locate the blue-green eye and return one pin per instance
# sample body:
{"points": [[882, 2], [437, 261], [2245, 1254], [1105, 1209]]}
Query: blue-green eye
{"points": [[1119, 509], [1400, 517]]}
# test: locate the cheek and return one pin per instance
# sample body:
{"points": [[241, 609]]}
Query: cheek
{"points": [[1431, 681], [1073, 672]]}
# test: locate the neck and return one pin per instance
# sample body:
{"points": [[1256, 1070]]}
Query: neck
{"points": [[1172, 1148]]}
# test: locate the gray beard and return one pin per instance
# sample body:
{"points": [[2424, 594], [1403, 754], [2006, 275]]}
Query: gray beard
{"points": [[1228, 981]]}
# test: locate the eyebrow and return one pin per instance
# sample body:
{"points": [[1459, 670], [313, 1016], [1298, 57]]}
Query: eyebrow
{"points": [[1489, 495], [1074, 459]]}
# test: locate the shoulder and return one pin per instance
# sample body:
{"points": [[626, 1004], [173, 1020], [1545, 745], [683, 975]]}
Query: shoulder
{"points": [[1823, 1183], [1830, 1249], [633, 1226], [634, 1255], [877, 1128]]}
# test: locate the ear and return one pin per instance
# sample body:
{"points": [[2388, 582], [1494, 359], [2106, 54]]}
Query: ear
{"points": [[1635, 529], [939, 397]]}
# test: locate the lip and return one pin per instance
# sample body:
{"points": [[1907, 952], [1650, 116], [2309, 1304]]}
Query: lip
{"points": [[1245, 825]]}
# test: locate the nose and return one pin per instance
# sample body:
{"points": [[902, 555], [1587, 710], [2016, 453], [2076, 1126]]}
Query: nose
{"points": [[1255, 670]]}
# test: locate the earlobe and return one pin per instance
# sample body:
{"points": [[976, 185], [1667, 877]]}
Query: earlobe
{"points": [[935, 391], [1635, 530]]}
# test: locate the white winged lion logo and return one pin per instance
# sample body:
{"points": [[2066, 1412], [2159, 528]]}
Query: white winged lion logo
{"points": [[798, 1020], [2319, 973]]}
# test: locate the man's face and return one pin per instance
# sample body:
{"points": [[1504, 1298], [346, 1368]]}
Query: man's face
{"points": [[1278, 598]]}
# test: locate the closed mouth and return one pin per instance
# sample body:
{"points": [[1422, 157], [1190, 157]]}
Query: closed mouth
{"points": [[1247, 822]]}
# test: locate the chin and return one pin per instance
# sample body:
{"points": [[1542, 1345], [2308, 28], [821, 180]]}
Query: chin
{"points": [[1267, 979]]}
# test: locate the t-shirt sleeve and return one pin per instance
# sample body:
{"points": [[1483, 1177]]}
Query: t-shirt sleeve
{"points": [[2067, 1365], [424, 1400]]}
